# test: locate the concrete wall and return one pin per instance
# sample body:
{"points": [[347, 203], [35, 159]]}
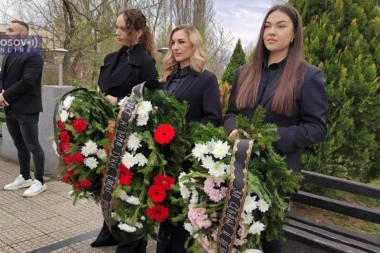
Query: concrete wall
{"points": [[50, 95]]}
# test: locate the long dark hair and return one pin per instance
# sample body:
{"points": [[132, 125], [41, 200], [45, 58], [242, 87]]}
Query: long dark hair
{"points": [[290, 81], [135, 20]]}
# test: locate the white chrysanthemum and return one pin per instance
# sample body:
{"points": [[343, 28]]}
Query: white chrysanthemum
{"points": [[218, 170], [188, 227], [123, 196], [67, 102], [142, 119], [64, 115], [194, 196], [71, 115], [121, 101], [133, 200], [140, 159], [208, 162], [101, 154], [115, 216], [128, 160], [220, 149], [200, 150], [263, 206], [250, 204], [144, 108], [55, 148], [247, 218], [185, 193], [89, 148], [91, 162], [253, 251], [126, 227], [139, 225], [256, 228], [142, 218], [133, 142]]}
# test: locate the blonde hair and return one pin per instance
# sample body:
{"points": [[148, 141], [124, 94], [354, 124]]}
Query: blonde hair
{"points": [[198, 59]]}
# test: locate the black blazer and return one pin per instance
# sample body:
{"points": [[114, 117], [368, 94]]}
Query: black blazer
{"points": [[119, 82], [306, 127], [20, 78], [201, 91]]}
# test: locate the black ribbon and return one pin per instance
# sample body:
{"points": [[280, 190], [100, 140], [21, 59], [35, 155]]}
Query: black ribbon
{"points": [[121, 133], [233, 205]]}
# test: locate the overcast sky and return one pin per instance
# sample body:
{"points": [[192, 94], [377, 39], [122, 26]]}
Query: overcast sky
{"points": [[243, 18]]}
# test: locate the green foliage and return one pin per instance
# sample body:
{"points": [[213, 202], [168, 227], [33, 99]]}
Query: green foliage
{"points": [[341, 37], [237, 60]]}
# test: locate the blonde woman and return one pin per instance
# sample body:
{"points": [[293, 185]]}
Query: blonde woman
{"points": [[185, 76]]}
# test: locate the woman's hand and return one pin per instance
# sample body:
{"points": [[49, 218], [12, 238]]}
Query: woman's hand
{"points": [[112, 99]]}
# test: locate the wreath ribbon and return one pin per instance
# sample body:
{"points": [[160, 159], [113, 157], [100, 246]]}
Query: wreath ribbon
{"points": [[233, 205], [121, 133]]}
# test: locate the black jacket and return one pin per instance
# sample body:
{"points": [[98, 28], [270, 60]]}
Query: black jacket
{"points": [[306, 127], [118, 82], [201, 91], [20, 78]]}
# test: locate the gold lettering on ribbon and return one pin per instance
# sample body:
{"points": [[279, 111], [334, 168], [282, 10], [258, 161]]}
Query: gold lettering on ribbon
{"points": [[233, 205], [124, 120]]}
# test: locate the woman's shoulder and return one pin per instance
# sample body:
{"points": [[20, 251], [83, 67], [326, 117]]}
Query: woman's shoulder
{"points": [[207, 74], [312, 69]]}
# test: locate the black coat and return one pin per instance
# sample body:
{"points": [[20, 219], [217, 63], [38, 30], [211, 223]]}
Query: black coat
{"points": [[201, 91], [306, 127], [20, 78], [119, 82]]}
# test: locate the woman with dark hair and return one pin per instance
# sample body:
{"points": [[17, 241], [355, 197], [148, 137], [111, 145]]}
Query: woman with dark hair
{"points": [[132, 64], [185, 76], [291, 91]]}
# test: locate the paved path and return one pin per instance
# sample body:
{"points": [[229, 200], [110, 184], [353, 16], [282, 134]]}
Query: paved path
{"points": [[48, 222]]}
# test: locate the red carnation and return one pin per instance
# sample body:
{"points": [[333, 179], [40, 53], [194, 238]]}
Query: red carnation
{"points": [[64, 136], [125, 175], [85, 183], [76, 185], [60, 125], [164, 134], [165, 181], [157, 193], [67, 159], [66, 178], [110, 136], [79, 125], [77, 158], [63, 147], [158, 213]]}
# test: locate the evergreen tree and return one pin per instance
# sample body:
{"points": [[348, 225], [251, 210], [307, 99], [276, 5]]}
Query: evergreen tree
{"points": [[237, 60], [341, 37]]}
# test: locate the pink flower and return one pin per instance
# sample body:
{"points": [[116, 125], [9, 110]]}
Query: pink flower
{"points": [[198, 217], [206, 245], [214, 189]]}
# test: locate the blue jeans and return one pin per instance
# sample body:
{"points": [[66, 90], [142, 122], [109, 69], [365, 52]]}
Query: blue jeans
{"points": [[23, 128]]}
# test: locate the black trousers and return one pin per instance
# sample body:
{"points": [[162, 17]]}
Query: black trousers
{"points": [[171, 239], [124, 245], [23, 128]]}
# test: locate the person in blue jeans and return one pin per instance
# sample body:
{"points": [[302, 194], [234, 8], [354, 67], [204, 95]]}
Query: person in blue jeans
{"points": [[20, 86]]}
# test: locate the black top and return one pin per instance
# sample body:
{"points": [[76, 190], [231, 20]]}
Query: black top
{"points": [[20, 78], [200, 91], [124, 69], [306, 127]]}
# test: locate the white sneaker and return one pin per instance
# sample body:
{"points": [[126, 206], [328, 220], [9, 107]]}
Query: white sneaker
{"points": [[19, 183], [35, 189]]}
